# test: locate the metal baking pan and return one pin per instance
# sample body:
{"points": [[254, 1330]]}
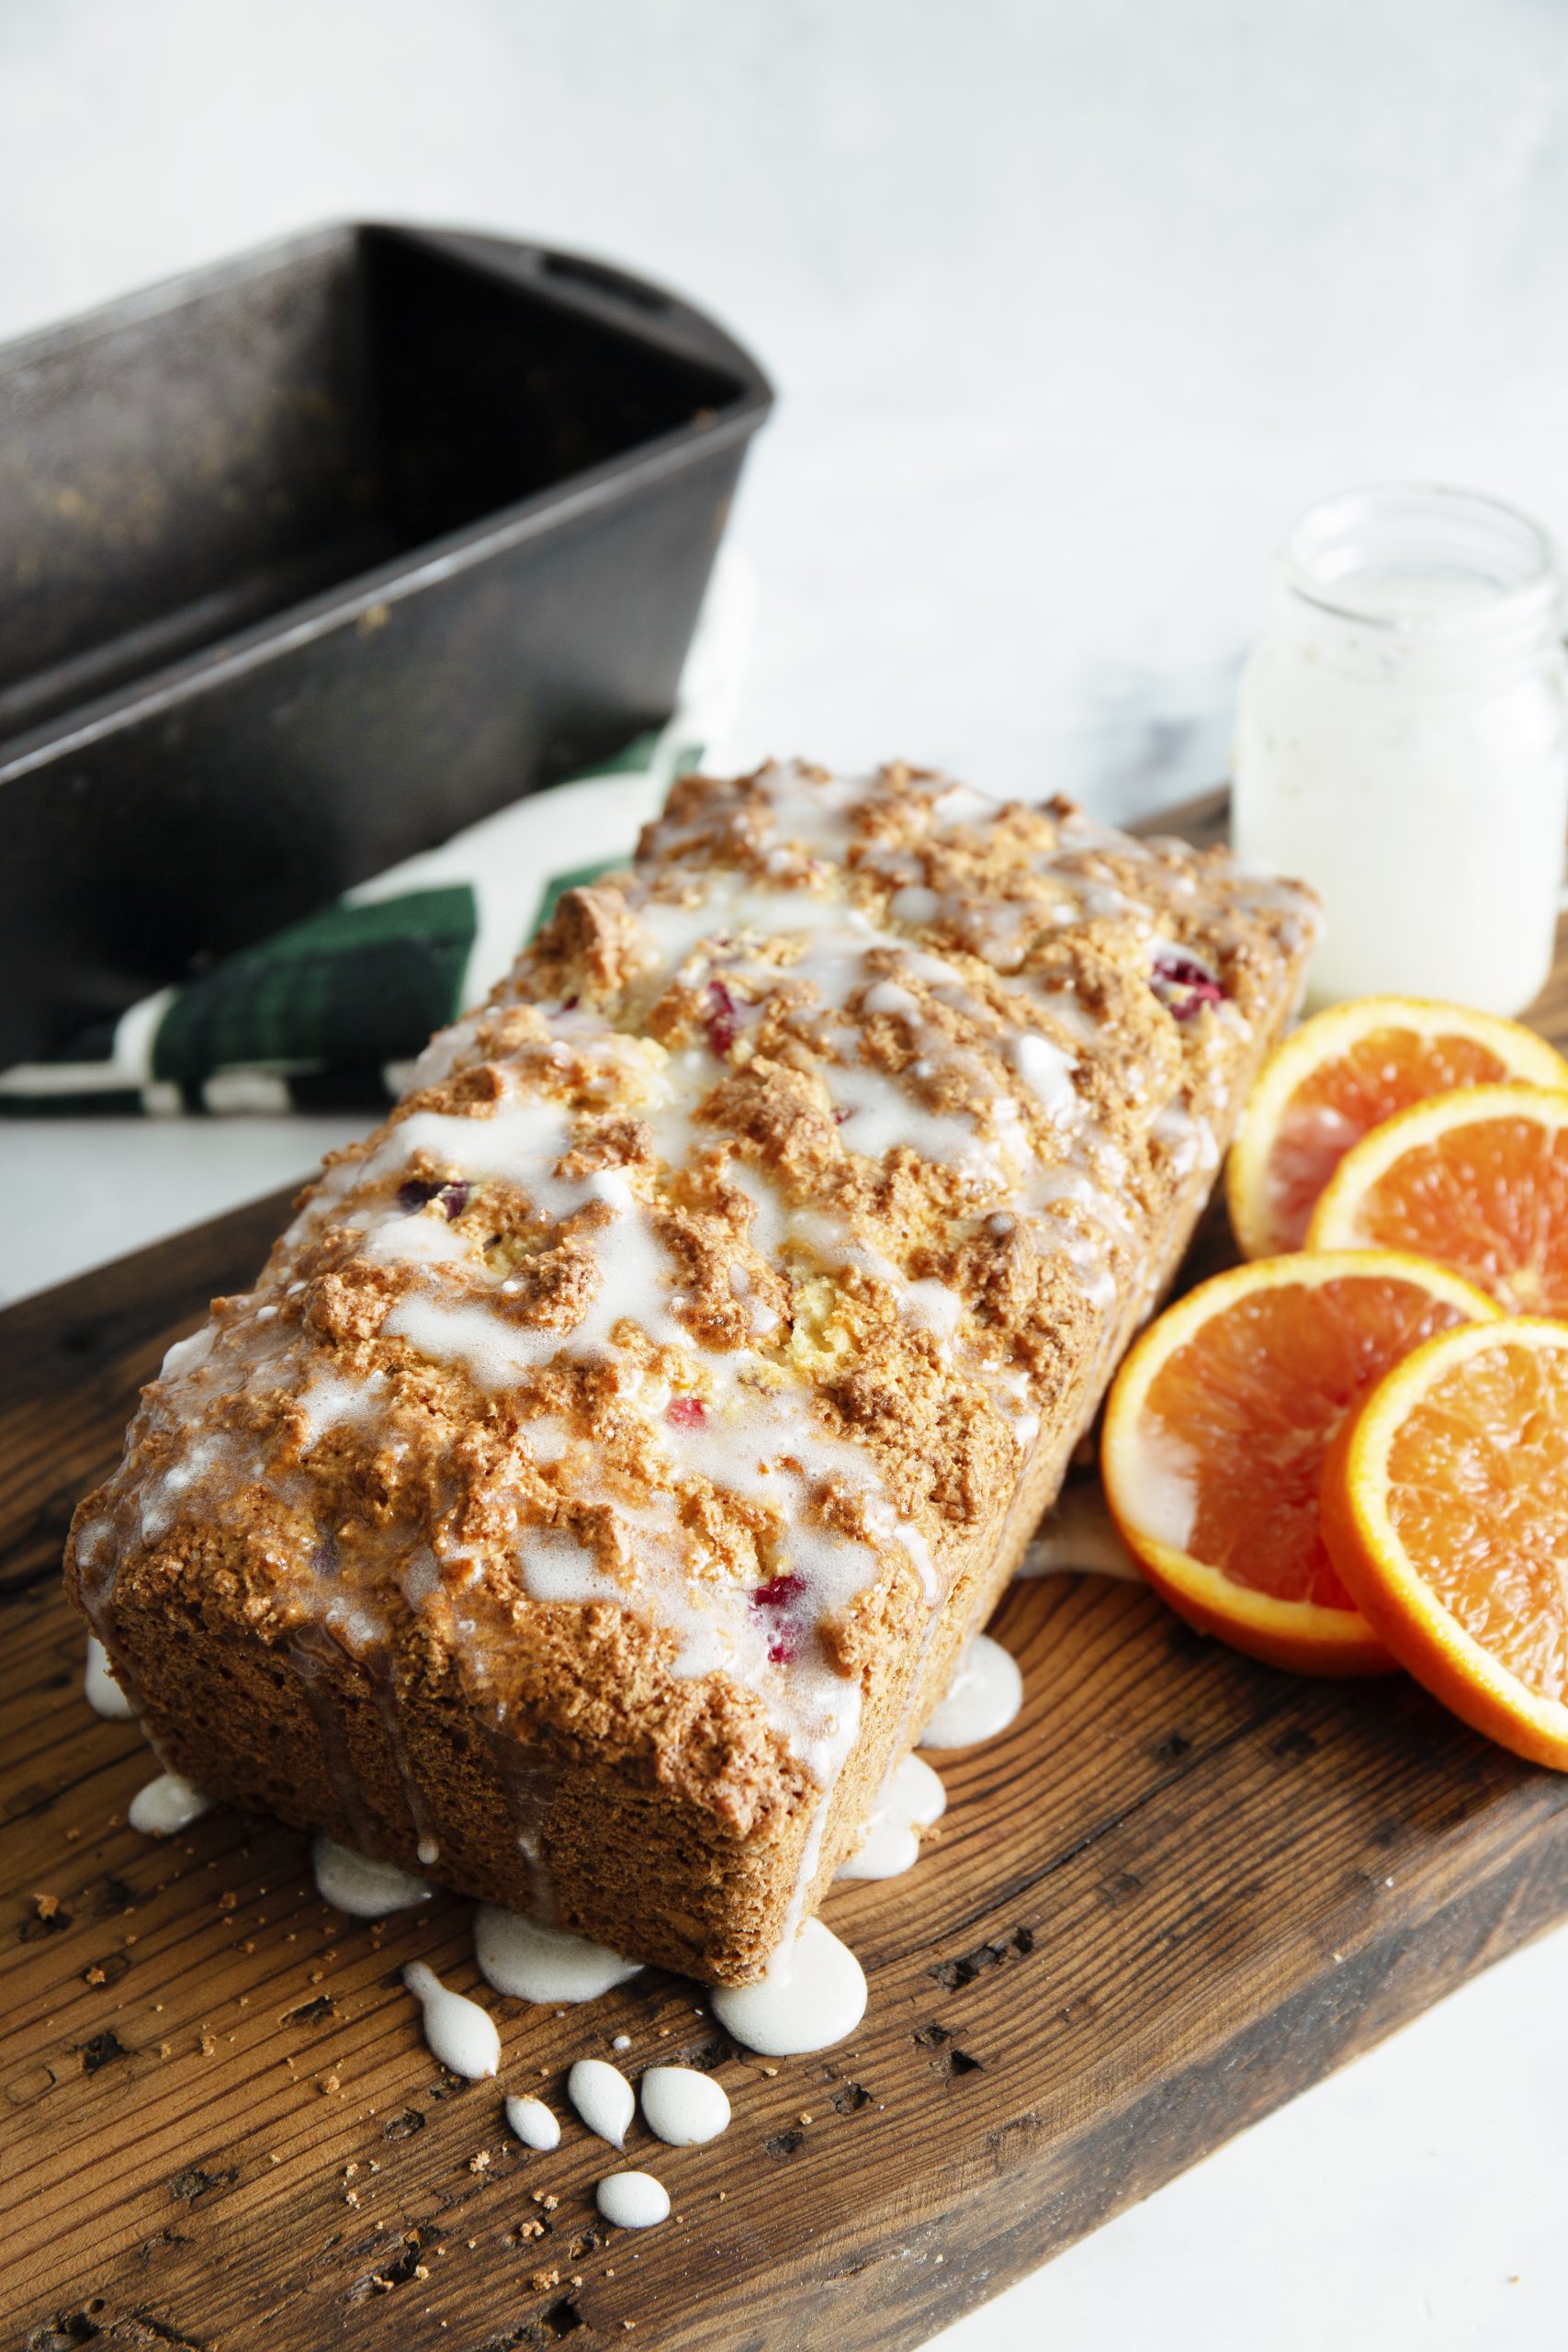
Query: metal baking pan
{"points": [[308, 559]]}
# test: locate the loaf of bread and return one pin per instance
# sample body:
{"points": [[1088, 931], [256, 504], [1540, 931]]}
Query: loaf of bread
{"points": [[593, 1497]]}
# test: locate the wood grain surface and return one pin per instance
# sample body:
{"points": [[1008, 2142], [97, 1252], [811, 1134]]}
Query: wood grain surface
{"points": [[1181, 1888]]}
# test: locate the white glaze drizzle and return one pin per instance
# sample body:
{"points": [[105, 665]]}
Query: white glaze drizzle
{"points": [[912, 1800], [684, 2107], [529, 1961], [984, 1694], [1079, 1536], [603, 2097], [458, 2032], [633, 2200], [530, 2121], [167, 1804], [357, 1884], [99, 1688], [813, 1996]]}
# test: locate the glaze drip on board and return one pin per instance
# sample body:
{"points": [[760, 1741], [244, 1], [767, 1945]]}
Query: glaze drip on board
{"points": [[363, 1887], [633, 2200], [813, 1996], [982, 1698], [167, 1806], [99, 1688], [460, 2033], [913, 1800], [533, 1962], [530, 2121], [684, 2107]]}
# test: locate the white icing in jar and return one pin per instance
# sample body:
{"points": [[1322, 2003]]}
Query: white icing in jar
{"points": [[1402, 743]]}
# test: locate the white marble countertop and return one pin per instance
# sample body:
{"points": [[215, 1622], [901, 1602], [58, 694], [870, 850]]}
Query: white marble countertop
{"points": [[1071, 305]]}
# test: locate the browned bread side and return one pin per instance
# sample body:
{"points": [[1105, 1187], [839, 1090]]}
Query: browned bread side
{"points": [[590, 1500]]}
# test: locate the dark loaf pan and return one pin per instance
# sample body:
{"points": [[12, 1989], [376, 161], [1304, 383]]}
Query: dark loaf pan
{"points": [[310, 559]]}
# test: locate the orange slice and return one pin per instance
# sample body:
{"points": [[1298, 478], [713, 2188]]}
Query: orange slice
{"points": [[1217, 1427], [1477, 1180], [1445, 1506], [1344, 1073]]}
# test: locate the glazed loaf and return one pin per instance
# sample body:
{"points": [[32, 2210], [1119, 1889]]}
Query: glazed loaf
{"points": [[591, 1497]]}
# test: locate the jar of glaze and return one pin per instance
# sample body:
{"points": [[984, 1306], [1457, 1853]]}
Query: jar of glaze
{"points": [[1402, 743]]}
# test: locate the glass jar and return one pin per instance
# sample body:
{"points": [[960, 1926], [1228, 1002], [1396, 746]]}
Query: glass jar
{"points": [[1402, 743]]}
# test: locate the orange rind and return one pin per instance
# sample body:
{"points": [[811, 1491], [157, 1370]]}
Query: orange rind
{"points": [[1217, 1427], [1445, 1510], [1477, 1178], [1341, 1074]]}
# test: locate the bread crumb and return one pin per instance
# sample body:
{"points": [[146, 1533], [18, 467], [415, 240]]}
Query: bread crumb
{"points": [[93, 1975], [45, 1906], [326, 2083], [480, 2162], [227, 1899]]}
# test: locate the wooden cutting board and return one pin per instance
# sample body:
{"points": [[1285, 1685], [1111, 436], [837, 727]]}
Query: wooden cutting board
{"points": [[1181, 1888]]}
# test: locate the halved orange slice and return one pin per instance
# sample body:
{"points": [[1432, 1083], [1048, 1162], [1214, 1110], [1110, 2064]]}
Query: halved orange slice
{"points": [[1477, 1180], [1445, 1508], [1217, 1427], [1341, 1074]]}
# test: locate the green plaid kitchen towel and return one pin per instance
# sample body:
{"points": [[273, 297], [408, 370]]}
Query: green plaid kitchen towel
{"points": [[328, 1013]]}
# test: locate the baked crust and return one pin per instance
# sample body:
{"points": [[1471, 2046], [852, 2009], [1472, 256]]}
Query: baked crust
{"points": [[591, 1499]]}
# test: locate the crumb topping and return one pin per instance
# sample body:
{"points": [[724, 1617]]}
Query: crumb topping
{"points": [[658, 1355]]}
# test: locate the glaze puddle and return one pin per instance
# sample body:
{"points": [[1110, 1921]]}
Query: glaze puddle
{"points": [[459, 2033], [813, 1996], [982, 1698], [913, 1799], [684, 2107]]}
